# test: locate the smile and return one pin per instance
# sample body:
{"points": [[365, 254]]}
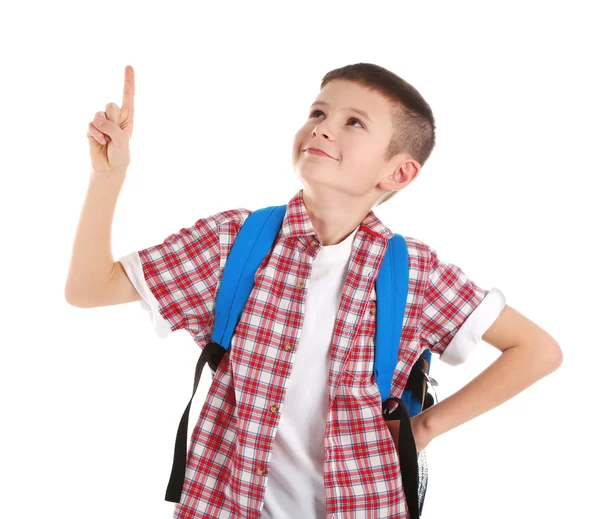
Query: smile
{"points": [[318, 153]]}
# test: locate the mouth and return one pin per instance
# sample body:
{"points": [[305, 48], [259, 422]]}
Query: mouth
{"points": [[317, 151]]}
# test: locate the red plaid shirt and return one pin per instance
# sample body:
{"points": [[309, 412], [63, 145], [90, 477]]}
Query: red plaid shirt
{"points": [[227, 468]]}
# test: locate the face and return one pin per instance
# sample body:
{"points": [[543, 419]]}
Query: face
{"points": [[355, 142]]}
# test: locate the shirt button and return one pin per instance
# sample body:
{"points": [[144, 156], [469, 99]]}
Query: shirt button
{"points": [[372, 311], [300, 284], [288, 347], [261, 471], [274, 408], [314, 243]]}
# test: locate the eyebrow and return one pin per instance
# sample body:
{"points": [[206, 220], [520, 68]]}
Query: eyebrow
{"points": [[361, 112]]}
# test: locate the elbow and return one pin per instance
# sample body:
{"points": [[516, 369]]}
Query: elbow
{"points": [[69, 296], [73, 300], [552, 356], [548, 357], [558, 356]]}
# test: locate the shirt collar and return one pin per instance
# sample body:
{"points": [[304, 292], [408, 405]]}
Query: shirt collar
{"points": [[297, 222]]}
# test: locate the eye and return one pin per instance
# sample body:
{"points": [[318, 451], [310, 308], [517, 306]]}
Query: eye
{"points": [[350, 119]]}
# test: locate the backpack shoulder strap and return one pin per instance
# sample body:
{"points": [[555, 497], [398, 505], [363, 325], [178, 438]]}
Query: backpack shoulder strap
{"points": [[251, 245], [392, 293], [391, 287]]}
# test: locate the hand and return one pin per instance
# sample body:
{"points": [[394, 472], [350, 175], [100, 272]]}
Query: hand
{"points": [[109, 133], [420, 433]]}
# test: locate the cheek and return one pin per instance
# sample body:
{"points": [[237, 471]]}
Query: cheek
{"points": [[362, 157], [298, 139], [359, 166]]}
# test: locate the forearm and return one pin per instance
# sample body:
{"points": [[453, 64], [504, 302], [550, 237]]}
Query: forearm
{"points": [[513, 371], [92, 260]]}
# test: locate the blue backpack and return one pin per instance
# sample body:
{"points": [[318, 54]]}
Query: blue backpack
{"points": [[253, 242]]}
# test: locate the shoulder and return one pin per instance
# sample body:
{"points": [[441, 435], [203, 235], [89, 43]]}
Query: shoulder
{"points": [[222, 223], [419, 254], [230, 217], [226, 225], [417, 247]]}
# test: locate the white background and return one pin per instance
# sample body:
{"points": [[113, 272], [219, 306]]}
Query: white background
{"points": [[91, 398]]}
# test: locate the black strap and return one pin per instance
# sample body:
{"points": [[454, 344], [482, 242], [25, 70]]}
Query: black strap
{"points": [[407, 452], [211, 353]]}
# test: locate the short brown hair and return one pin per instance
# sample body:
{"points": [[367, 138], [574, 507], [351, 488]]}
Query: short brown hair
{"points": [[412, 118]]}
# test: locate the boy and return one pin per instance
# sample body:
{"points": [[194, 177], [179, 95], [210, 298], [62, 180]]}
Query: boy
{"points": [[292, 425]]}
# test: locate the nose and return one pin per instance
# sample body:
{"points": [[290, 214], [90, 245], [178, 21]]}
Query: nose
{"points": [[318, 130]]}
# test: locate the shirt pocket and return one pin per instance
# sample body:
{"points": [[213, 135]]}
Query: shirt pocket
{"points": [[361, 363]]}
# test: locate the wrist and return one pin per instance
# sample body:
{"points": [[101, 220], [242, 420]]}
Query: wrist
{"points": [[113, 177]]}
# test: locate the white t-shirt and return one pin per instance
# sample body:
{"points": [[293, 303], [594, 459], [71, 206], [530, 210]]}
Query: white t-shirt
{"points": [[295, 488]]}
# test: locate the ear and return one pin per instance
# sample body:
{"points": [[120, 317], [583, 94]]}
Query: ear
{"points": [[404, 173]]}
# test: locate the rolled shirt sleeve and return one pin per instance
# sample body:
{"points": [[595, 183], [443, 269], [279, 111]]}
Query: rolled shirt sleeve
{"points": [[133, 268], [456, 311]]}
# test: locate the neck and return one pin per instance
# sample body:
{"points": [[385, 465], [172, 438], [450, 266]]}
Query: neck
{"points": [[333, 219]]}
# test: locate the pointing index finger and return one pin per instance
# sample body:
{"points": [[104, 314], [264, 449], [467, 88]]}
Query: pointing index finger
{"points": [[128, 90]]}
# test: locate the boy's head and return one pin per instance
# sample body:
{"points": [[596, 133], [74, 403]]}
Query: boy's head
{"points": [[374, 155]]}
